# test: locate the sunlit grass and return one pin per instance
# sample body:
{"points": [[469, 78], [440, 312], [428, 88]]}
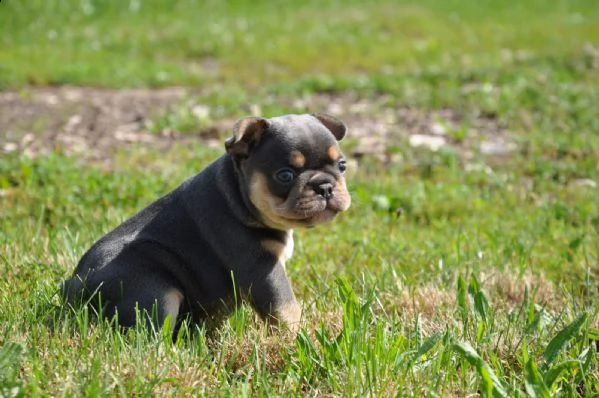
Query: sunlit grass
{"points": [[398, 294], [452, 274], [136, 43]]}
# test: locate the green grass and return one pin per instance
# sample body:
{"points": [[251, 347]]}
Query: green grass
{"points": [[136, 43], [451, 273], [476, 260]]}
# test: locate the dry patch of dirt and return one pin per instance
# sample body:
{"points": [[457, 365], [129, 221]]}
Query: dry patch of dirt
{"points": [[84, 121], [92, 123]]}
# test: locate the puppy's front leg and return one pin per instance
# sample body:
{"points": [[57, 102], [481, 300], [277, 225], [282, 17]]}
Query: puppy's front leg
{"points": [[273, 298]]}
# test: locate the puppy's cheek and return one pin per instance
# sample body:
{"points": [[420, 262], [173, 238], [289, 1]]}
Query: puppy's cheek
{"points": [[341, 195], [266, 203], [261, 197]]}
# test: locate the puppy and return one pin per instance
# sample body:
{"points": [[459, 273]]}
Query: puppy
{"points": [[223, 234]]}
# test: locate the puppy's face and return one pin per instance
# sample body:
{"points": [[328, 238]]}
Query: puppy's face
{"points": [[292, 167]]}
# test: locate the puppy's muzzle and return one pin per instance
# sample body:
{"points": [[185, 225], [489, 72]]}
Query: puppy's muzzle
{"points": [[325, 189], [323, 185]]}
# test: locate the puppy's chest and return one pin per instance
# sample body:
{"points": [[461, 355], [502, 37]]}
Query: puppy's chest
{"points": [[282, 250], [289, 245]]}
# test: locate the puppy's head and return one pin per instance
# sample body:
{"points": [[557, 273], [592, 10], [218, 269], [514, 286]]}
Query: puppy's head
{"points": [[292, 168]]}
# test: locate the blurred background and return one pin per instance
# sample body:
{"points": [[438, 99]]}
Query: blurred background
{"points": [[140, 43], [486, 63]]}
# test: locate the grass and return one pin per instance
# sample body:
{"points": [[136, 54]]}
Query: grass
{"points": [[137, 43], [452, 274], [401, 306]]}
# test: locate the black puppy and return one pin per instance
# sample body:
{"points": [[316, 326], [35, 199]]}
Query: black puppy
{"points": [[226, 230]]}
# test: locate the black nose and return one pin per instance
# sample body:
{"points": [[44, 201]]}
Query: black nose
{"points": [[325, 190]]}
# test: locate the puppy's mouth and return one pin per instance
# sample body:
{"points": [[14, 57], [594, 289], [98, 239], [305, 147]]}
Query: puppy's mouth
{"points": [[305, 208], [320, 217], [309, 212], [309, 217]]}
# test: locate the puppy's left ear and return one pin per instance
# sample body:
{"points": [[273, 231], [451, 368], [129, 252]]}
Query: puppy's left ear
{"points": [[336, 126], [246, 133]]}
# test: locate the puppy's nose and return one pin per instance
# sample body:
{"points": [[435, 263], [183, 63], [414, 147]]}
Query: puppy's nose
{"points": [[325, 190]]}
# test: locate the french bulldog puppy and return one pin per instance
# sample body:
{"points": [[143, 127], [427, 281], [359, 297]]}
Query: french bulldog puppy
{"points": [[223, 234]]}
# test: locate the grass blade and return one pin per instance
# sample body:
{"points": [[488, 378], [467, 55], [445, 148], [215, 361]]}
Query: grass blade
{"points": [[428, 345], [481, 305], [535, 386], [462, 295], [491, 383], [558, 343], [552, 374], [9, 356]]}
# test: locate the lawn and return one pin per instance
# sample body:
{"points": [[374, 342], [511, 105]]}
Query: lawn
{"points": [[457, 271]]}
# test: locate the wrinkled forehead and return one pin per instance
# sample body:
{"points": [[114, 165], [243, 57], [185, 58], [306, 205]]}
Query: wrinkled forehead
{"points": [[304, 135]]}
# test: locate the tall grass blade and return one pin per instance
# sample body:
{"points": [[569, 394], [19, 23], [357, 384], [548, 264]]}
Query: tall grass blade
{"points": [[553, 374], [557, 344], [491, 384], [9, 357], [535, 386]]}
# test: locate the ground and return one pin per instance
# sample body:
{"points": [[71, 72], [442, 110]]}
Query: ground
{"points": [[91, 123]]}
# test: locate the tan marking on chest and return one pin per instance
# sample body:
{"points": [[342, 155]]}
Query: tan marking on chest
{"points": [[281, 250]]}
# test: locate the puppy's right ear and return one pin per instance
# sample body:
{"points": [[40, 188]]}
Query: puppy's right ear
{"points": [[246, 133], [335, 126]]}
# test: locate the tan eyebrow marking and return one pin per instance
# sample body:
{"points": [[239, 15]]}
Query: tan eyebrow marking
{"points": [[297, 159], [333, 153]]}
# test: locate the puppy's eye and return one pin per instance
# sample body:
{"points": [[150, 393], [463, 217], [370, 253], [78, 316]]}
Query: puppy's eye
{"points": [[284, 176], [342, 166]]}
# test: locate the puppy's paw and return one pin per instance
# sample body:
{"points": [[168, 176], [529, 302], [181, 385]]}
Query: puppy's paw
{"points": [[289, 315]]}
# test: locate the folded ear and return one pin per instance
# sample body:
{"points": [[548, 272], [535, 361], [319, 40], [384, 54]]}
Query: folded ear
{"points": [[336, 126], [246, 134]]}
